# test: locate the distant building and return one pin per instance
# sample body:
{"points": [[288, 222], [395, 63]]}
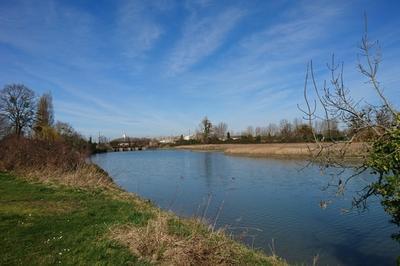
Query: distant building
{"points": [[188, 137], [129, 143], [168, 140]]}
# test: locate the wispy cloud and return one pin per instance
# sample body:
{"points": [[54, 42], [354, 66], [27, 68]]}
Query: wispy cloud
{"points": [[265, 58], [138, 29], [156, 67], [264, 71], [200, 38], [295, 31], [47, 31]]}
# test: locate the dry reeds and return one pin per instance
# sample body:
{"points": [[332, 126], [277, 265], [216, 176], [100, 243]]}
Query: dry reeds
{"points": [[84, 176], [165, 240], [292, 150], [191, 244]]}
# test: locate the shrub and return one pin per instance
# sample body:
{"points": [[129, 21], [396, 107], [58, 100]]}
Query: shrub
{"points": [[25, 153]]}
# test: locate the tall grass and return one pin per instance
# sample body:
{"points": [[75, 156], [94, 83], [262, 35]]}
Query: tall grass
{"points": [[162, 238]]}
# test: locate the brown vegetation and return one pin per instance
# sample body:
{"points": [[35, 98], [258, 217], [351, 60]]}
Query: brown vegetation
{"points": [[57, 154], [167, 240], [21, 153], [286, 150], [50, 161]]}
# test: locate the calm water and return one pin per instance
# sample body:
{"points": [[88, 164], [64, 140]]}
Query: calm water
{"points": [[260, 200]]}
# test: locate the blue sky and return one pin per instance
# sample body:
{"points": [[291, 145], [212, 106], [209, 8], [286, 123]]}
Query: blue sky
{"points": [[152, 68]]}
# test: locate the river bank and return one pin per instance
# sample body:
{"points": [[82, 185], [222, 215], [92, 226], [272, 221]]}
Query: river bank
{"points": [[280, 150], [62, 221]]}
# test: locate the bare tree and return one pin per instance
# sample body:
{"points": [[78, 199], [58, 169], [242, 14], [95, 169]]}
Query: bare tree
{"points": [[102, 139], [64, 129], [205, 129], [17, 104], [297, 122], [286, 129], [272, 130], [249, 131], [220, 130], [258, 131], [70, 136], [376, 128]]}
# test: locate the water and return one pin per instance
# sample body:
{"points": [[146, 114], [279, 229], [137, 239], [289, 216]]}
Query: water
{"points": [[260, 200]]}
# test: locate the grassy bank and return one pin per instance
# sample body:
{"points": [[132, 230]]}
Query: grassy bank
{"points": [[52, 223], [286, 150]]}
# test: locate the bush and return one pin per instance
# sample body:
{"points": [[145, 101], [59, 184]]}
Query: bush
{"points": [[19, 153]]}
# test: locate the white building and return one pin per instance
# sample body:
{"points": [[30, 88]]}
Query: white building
{"points": [[188, 137]]}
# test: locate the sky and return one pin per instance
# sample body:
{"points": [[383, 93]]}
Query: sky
{"points": [[156, 68]]}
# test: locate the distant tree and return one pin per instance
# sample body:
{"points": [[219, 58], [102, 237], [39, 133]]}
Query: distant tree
{"points": [[285, 129], [44, 119], [205, 129], [297, 122], [64, 129], [44, 113], [17, 104], [249, 131], [248, 135], [181, 140], [300, 131], [228, 135], [303, 132], [258, 131], [220, 130], [272, 130], [330, 130], [71, 137], [102, 140]]}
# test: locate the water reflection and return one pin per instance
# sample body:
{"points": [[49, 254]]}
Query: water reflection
{"points": [[207, 166], [265, 199]]}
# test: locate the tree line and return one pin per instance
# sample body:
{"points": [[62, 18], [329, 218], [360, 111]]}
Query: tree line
{"points": [[29, 135], [22, 114], [286, 131]]}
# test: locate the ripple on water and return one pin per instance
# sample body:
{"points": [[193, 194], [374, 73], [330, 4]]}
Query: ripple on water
{"points": [[266, 199]]}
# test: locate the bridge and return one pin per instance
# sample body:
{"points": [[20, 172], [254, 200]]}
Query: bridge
{"points": [[132, 144]]}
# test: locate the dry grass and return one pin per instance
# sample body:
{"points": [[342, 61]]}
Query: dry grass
{"points": [[284, 150], [162, 239], [85, 176], [166, 240]]}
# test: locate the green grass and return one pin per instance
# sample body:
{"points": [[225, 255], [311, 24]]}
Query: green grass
{"points": [[176, 227], [42, 224]]}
